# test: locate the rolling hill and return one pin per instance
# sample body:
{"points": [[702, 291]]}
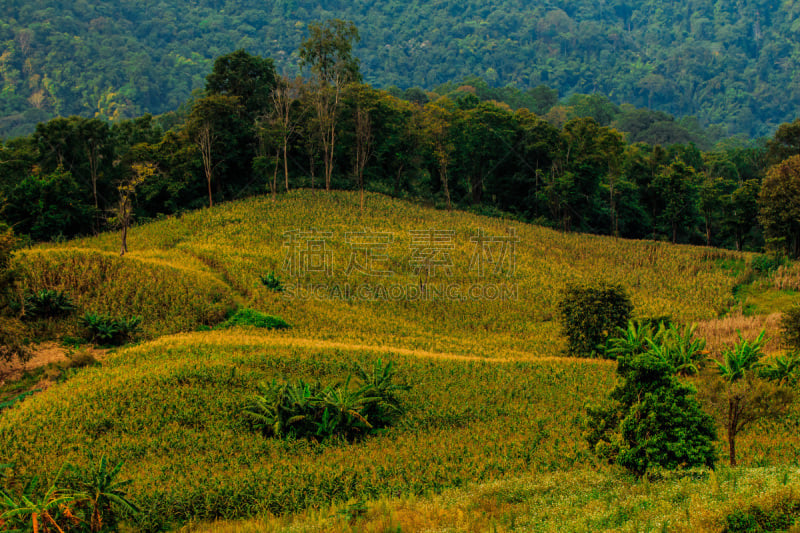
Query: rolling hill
{"points": [[492, 435]]}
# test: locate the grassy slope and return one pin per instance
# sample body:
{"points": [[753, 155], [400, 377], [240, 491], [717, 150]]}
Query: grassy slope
{"points": [[488, 399]]}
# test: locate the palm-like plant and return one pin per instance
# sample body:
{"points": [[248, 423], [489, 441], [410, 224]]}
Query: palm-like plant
{"points": [[783, 369], [304, 410], [741, 358], [631, 340], [28, 510], [101, 491], [686, 352]]}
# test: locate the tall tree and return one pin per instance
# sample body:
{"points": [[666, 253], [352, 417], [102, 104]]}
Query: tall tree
{"points": [[328, 53], [140, 172], [213, 126], [779, 205], [250, 78], [283, 97], [676, 185], [436, 118]]}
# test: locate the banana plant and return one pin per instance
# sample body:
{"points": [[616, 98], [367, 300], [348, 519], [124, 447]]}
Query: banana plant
{"points": [[28, 511], [741, 358], [102, 492]]}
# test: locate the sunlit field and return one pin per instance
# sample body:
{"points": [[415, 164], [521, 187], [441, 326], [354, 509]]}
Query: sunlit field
{"points": [[464, 306]]}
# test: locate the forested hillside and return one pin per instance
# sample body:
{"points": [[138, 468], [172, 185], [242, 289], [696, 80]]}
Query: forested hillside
{"points": [[729, 62]]}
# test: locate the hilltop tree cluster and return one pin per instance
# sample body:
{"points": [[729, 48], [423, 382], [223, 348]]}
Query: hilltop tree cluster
{"points": [[76, 176]]}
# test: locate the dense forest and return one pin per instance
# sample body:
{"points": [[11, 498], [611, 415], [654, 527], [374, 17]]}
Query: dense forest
{"points": [[732, 64], [252, 131]]}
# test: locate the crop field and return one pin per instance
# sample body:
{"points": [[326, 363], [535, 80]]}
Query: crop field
{"points": [[493, 430]]}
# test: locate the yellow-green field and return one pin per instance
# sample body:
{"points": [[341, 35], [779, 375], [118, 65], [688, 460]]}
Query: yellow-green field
{"points": [[493, 433]]}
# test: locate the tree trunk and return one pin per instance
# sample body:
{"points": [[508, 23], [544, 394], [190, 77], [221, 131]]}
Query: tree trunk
{"points": [[286, 163], [124, 245], [732, 422]]}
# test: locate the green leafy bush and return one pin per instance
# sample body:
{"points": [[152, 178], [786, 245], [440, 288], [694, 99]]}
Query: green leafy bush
{"points": [[651, 420], [590, 314], [309, 410], [47, 303], [104, 329], [783, 369], [790, 327], [271, 282], [767, 263], [256, 319], [780, 516]]}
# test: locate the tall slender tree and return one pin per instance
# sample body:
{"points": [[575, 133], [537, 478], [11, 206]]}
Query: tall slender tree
{"points": [[328, 53]]}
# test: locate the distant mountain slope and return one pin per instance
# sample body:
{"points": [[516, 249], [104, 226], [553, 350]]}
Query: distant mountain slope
{"points": [[730, 62]]}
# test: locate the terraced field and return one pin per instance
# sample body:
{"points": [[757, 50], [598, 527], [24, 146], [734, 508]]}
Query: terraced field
{"points": [[465, 308]]}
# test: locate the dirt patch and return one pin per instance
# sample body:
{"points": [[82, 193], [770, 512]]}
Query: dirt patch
{"points": [[43, 355]]}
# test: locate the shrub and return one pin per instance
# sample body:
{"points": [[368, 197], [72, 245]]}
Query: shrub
{"points": [[271, 282], [47, 303], [652, 420], [306, 410], [256, 319], [783, 369], [790, 327], [779, 516], [590, 314], [767, 263], [104, 329]]}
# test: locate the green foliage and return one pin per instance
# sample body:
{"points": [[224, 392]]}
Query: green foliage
{"points": [[105, 329], [303, 410], [777, 516], [677, 346], [590, 314], [766, 264], [120, 59], [47, 303], [779, 206], [16, 399], [741, 393], [652, 420], [101, 497], [271, 282], [91, 500], [12, 334], [783, 369], [247, 77], [790, 326], [253, 318], [741, 358]]}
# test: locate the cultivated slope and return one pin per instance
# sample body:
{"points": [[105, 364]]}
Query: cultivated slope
{"points": [[488, 400]]}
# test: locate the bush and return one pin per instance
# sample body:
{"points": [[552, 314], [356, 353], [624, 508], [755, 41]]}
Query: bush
{"points": [[104, 329], [779, 516], [306, 410], [256, 319], [767, 263], [652, 420], [271, 282], [47, 303], [590, 314], [783, 369], [790, 327]]}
